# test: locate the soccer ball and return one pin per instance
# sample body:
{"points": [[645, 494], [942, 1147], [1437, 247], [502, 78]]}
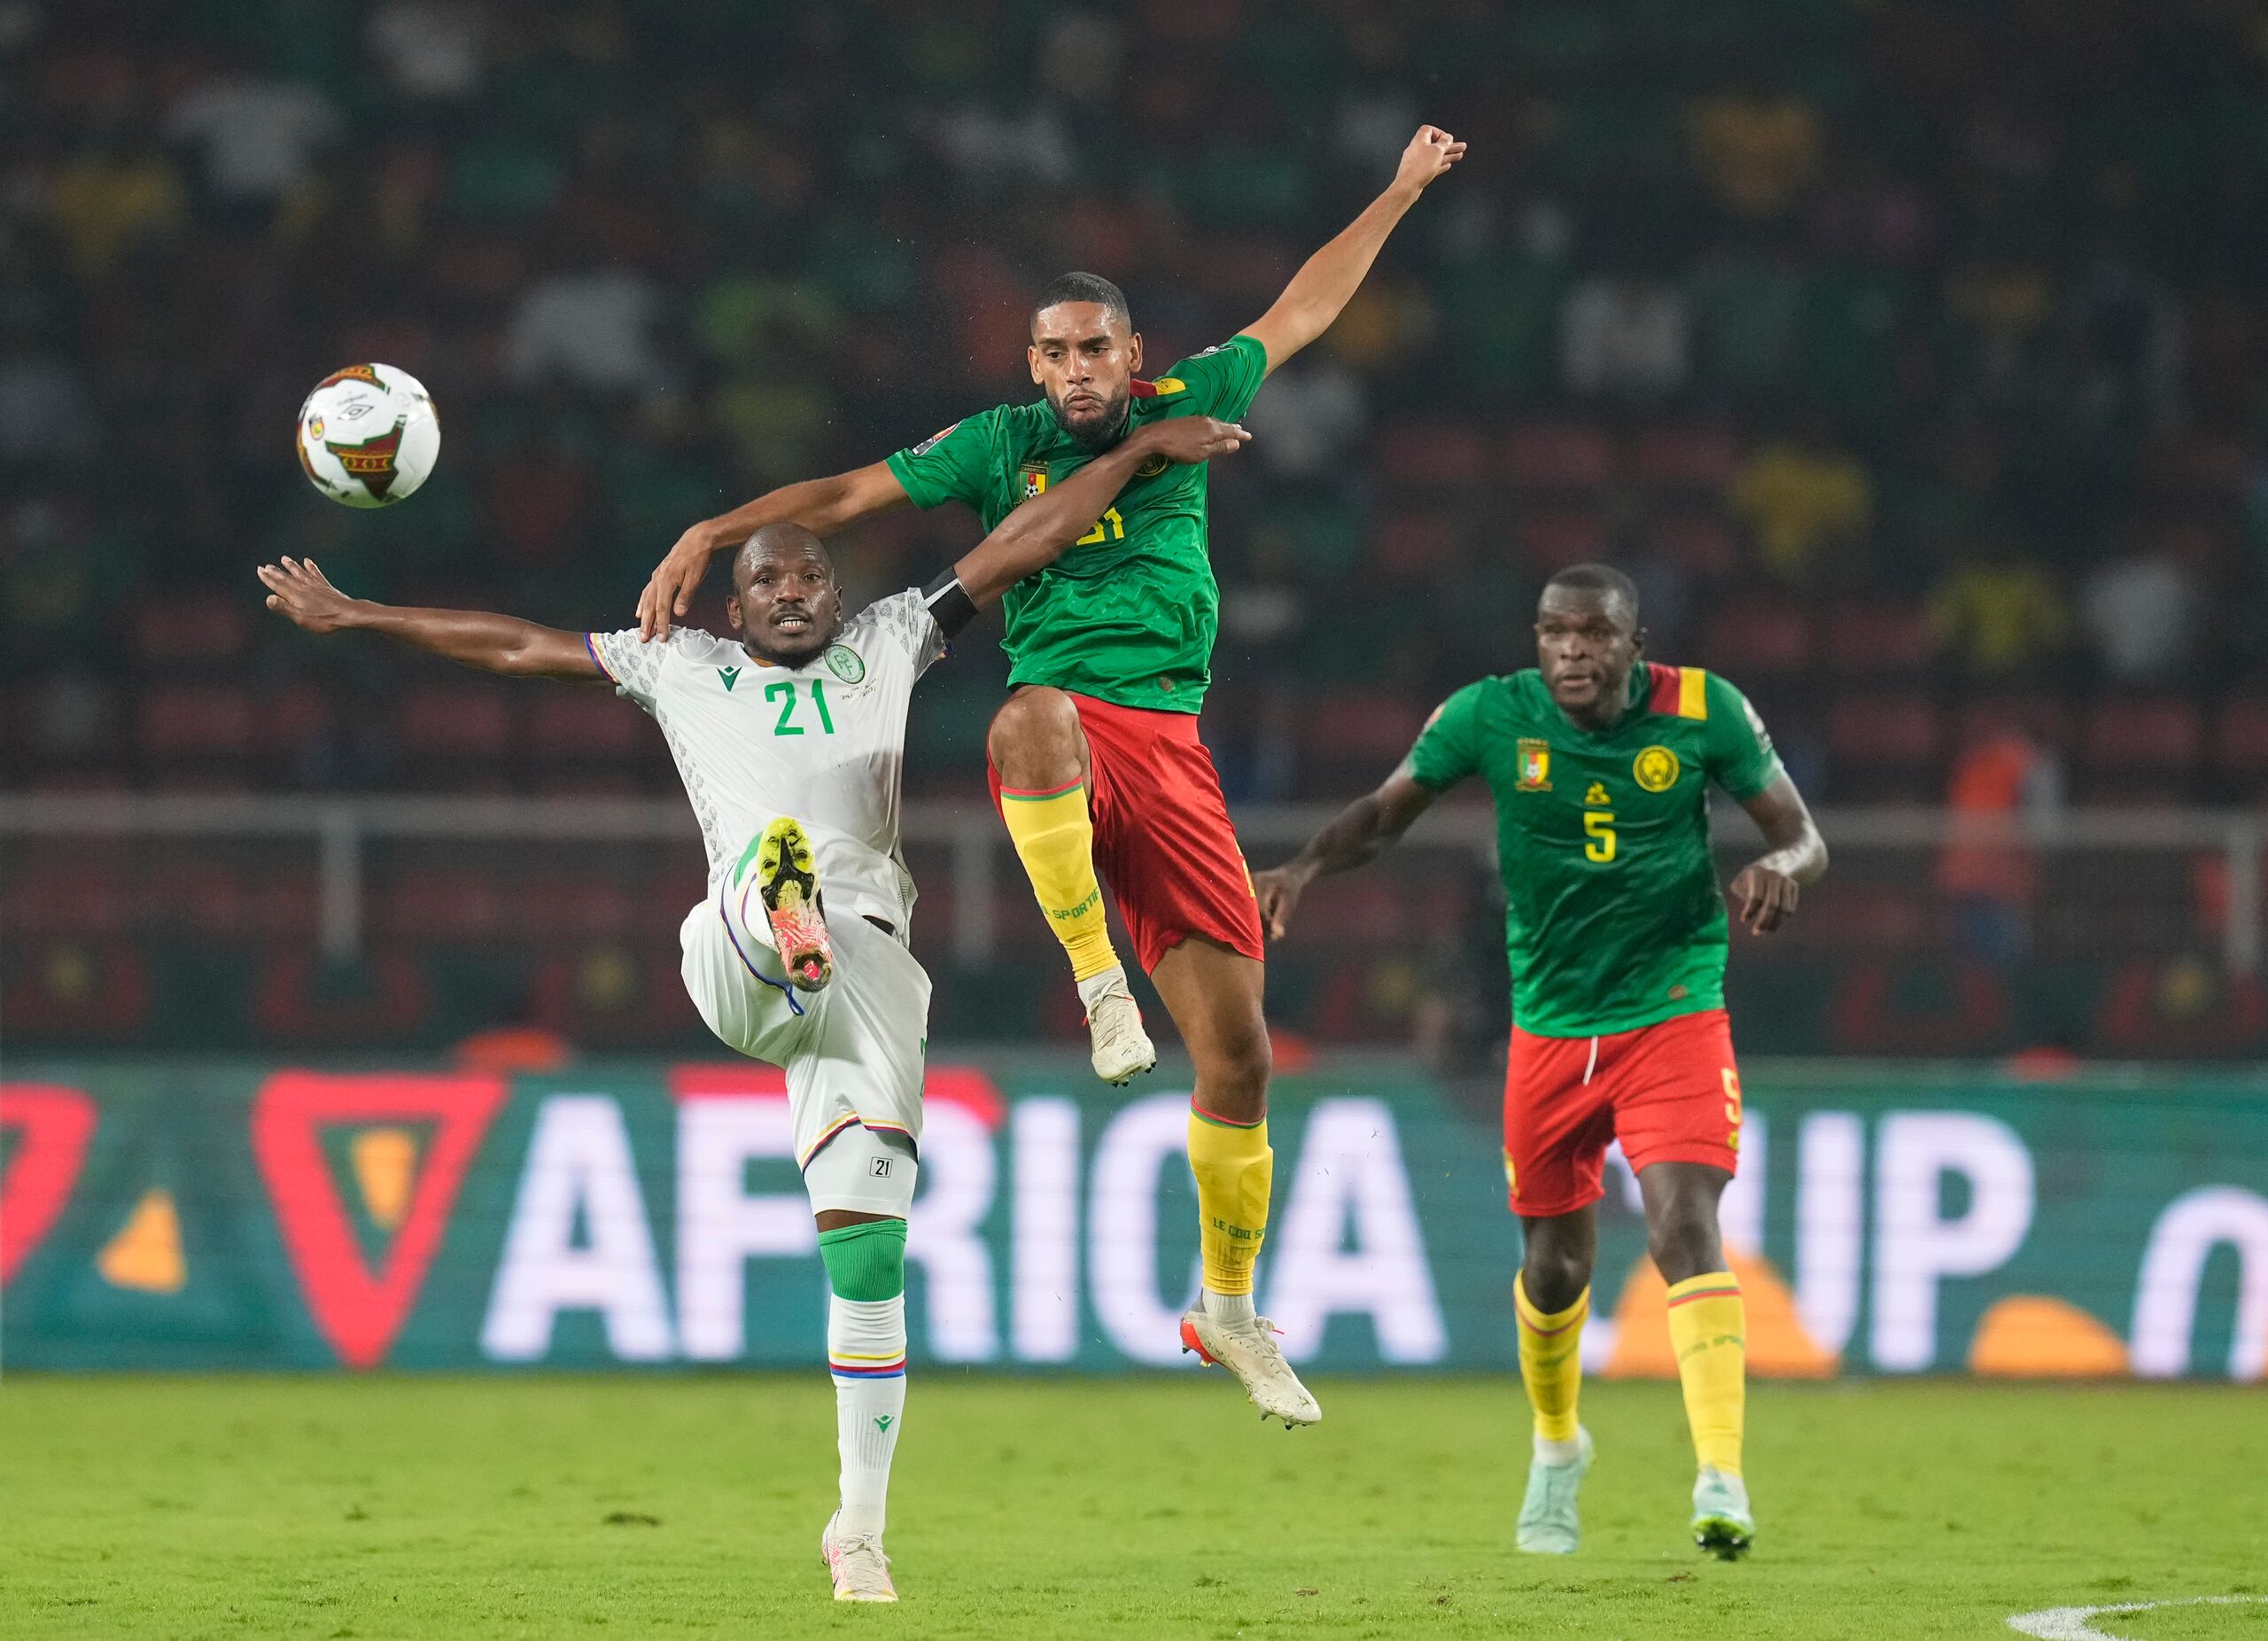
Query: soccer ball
{"points": [[368, 435]]}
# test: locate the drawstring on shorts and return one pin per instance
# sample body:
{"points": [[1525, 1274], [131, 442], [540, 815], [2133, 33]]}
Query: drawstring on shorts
{"points": [[1592, 1065]]}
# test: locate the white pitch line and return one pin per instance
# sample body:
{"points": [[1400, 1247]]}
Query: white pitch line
{"points": [[2071, 1623]]}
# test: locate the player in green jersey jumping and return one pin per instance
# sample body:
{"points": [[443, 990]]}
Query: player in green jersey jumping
{"points": [[1095, 759], [1600, 769]]}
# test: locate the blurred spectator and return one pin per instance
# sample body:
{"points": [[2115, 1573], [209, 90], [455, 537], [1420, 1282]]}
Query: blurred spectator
{"points": [[589, 327], [111, 195], [1806, 500], [1756, 148], [1308, 421], [431, 49], [257, 138], [2003, 783], [2140, 612], [1625, 337], [45, 412], [2002, 615]]}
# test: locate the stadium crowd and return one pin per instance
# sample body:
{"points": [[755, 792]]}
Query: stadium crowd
{"points": [[1921, 392], [1910, 356]]}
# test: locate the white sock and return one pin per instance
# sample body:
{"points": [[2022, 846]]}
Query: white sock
{"points": [[866, 1350], [1111, 980], [1233, 1310], [1550, 1452]]}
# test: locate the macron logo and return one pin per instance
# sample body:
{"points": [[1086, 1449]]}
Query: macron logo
{"points": [[731, 675]]}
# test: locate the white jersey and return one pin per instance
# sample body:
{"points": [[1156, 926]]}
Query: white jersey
{"points": [[824, 742]]}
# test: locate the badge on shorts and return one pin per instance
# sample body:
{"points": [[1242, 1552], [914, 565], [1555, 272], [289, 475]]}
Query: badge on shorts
{"points": [[1656, 769], [843, 662], [1535, 766], [879, 1167]]}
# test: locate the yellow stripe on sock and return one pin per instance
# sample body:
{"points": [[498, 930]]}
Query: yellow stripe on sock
{"points": [[1551, 1361], [1235, 1172], [1055, 840], [1708, 1334]]}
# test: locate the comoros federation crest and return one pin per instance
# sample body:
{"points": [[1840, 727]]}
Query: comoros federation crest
{"points": [[844, 663]]}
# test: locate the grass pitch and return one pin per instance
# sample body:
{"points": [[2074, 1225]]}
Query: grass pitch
{"points": [[1145, 1508]]}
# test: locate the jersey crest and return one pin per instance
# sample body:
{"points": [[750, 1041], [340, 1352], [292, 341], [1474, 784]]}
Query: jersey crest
{"points": [[1034, 475], [845, 663], [1656, 769], [1535, 766]]}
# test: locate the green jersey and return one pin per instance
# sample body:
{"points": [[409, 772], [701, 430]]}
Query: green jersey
{"points": [[1129, 612], [1613, 918]]}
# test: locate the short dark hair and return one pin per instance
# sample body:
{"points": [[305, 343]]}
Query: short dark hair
{"points": [[791, 535], [1603, 579], [1076, 287]]}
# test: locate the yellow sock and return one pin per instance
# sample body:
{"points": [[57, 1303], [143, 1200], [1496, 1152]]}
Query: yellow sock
{"points": [[1056, 842], [1235, 1170], [1708, 1331], [1551, 1361]]}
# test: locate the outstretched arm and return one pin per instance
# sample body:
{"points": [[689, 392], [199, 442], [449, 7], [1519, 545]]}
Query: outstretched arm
{"points": [[822, 506], [1767, 889], [494, 643], [1035, 534], [1328, 280], [1362, 831]]}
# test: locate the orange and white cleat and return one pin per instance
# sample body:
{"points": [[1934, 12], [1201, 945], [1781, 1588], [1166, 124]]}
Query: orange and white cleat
{"points": [[789, 886], [1249, 1350]]}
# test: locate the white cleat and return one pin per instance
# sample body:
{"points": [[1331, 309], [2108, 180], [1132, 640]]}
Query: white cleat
{"points": [[1249, 1350], [855, 1562], [1123, 1049]]}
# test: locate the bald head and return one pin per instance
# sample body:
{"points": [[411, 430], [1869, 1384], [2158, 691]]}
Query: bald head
{"points": [[785, 604]]}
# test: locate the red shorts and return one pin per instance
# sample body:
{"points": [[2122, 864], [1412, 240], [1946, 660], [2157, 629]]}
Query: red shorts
{"points": [[1670, 1091], [1163, 844]]}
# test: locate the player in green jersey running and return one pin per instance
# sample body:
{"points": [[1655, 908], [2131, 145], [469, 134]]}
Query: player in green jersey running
{"points": [[1600, 768], [1095, 759]]}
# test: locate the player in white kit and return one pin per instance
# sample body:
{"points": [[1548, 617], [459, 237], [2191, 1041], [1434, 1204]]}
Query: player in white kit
{"points": [[790, 739]]}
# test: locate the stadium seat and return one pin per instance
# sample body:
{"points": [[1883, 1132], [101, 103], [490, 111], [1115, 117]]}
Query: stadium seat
{"points": [[1684, 458], [585, 725], [293, 716], [1701, 544], [1875, 640], [442, 908], [2240, 744], [1418, 541], [1355, 734], [1558, 455], [2145, 747], [578, 906], [1434, 455], [206, 897], [171, 632], [88, 898], [456, 721], [1758, 637], [194, 721], [1552, 541], [1882, 747]]}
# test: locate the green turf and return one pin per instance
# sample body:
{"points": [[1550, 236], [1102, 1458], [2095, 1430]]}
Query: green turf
{"points": [[1160, 1507]]}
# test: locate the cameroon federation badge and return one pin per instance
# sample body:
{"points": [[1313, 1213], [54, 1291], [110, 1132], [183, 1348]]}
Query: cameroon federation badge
{"points": [[1035, 477], [1535, 766], [844, 663], [1656, 769]]}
